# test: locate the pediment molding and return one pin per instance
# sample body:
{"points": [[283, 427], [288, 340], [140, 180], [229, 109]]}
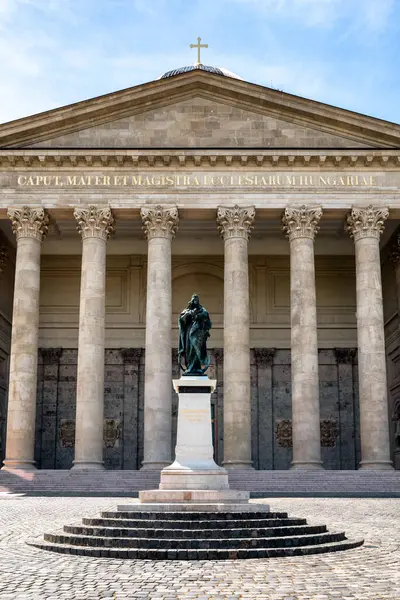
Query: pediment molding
{"points": [[71, 159], [248, 96]]}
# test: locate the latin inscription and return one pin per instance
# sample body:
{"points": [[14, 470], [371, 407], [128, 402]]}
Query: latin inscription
{"points": [[250, 180]]}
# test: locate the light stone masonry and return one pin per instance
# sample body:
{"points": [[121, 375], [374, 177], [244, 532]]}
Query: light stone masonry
{"points": [[160, 225], [300, 225], [30, 227], [95, 226], [365, 226], [235, 225]]}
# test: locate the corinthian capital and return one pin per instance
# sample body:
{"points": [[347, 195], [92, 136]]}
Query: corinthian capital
{"points": [[366, 222], [29, 222], [236, 221], [94, 222], [159, 221], [3, 257], [301, 222]]}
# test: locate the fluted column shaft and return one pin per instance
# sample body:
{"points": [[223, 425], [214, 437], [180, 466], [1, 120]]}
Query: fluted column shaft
{"points": [[95, 225], [365, 226], [300, 226], [30, 227], [160, 225], [235, 225]]}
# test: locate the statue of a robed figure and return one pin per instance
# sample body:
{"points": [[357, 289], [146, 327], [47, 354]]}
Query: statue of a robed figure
{"points": [[194, 327]]}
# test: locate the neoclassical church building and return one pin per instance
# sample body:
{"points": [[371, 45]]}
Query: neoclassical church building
{"points": [[282, 213]]}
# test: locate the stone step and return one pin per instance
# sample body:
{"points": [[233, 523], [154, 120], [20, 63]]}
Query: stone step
{"points": [[199, 554], [191, 516], [153, 532], [195, 543], [234, 523], [128, 483]]}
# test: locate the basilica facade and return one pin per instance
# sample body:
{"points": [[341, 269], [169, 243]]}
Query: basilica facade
{"points": [[282, 213]]}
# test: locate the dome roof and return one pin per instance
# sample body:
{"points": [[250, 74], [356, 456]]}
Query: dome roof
{"points": [[208, 68]]}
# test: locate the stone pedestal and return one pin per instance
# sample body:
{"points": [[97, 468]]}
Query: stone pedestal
{"points": [[194, 467], [194, 479]]}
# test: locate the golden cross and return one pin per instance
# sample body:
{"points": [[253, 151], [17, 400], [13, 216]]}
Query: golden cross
{"points": [[198, 46]]}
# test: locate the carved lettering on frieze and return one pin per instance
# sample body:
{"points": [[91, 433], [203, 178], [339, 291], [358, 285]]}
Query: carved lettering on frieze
{"points": [[67, 433], [111, 432], [329, 432], [283, 433]]}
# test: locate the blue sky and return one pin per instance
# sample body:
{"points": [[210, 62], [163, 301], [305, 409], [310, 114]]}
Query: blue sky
{"points": [[342, 52]]}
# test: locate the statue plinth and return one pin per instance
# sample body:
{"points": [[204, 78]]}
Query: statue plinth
{"points": [[194, 479], [194, 467]]}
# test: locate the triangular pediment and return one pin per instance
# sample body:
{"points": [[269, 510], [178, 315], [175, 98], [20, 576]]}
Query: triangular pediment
{"points": [[199, 110]]}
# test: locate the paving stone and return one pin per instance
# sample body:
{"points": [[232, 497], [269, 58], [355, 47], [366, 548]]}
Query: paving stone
{"points": [[368, 573]]}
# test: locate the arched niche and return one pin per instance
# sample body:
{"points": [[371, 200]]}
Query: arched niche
{"points": [[204, 279]]}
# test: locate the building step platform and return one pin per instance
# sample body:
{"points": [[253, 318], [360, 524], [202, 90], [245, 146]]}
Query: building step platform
{"points": [[194, 535], [319, 483]]}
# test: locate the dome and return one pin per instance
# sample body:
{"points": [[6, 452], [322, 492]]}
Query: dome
{"points": [[208, 68]]}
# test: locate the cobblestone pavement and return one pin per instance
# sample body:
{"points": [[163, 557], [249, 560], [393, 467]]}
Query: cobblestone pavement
{"points": [[369, 572]]}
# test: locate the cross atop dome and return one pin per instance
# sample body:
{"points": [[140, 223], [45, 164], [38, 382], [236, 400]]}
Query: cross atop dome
{"points": [[198, 46]]}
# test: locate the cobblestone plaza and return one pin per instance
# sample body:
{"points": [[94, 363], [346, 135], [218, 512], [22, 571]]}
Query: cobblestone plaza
{"points": [[368, 573]]}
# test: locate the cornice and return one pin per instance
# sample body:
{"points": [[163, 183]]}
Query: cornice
{"points": [[278, 159]]}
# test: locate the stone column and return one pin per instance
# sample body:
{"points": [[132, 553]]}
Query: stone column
{"points": [[300, 226], [159, 225], [365, 226], [30, 227], [95, 226], [235, 225]]}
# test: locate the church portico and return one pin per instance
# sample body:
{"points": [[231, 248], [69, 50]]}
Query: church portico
{"points": [[305, 332]]}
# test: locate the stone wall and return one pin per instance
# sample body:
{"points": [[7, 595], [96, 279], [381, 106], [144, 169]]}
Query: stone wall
{"points": [[199, 123], [271, 408]]}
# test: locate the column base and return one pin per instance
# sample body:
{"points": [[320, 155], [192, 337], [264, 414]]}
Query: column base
{"points": [[149, 465], [377, 465], [231, 465], [81, 464], [306, 465], [11, 464]]}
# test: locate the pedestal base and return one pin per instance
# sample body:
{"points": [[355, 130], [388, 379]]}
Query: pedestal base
{"points": [[194, 479], [195, 497]]}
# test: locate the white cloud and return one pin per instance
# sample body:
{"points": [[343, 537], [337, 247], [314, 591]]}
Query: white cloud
{"points": [[370, 15]]}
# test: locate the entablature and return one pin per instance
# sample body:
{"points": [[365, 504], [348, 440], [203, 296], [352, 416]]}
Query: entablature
{"points": [[181, 158]]}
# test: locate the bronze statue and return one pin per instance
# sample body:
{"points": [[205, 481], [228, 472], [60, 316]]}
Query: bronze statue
{"points": [[194, 325]]}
